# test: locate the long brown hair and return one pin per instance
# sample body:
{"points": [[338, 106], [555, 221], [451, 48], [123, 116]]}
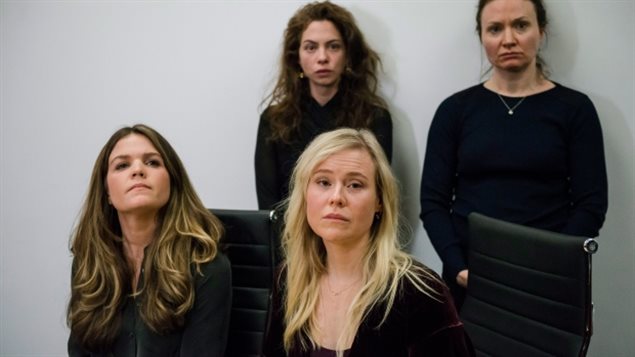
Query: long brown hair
{"points": [[187, 236], [358, 84]]}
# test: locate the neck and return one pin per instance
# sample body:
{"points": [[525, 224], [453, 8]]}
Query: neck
{"points": [[322, 94], [515, 84], [138, 232], [344, 263]]}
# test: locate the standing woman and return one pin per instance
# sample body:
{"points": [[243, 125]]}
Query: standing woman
{"points": [[148, 277], [518, 147], [328, 79], [346, 288]]}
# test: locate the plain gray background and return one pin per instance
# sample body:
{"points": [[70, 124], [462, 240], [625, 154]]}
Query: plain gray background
{"points": [[72, 72]]}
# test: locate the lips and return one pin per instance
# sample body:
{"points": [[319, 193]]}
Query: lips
{"points": [[323, 72], [336, 217], [510, 55], [138, 186]]}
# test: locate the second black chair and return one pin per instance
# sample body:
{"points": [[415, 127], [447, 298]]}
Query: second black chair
{"points": [[249, 244], [529, 290]]}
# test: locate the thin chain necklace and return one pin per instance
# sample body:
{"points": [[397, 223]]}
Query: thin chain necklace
{"points": [[337, 293], [510, 110]]}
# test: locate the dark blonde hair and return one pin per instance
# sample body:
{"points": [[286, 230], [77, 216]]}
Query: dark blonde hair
{"points": [[187, 236], [385, 264], [358, 83]]}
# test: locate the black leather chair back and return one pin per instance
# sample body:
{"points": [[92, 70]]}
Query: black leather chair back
{"points": [[249, 244], [529, 290]]}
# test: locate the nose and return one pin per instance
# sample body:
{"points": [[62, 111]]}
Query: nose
{"points": [[138, 169], [337, 196], [508, 38], [322, 55]]}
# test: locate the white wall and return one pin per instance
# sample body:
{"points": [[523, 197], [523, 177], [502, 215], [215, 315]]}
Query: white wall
{"points": [[72, 72]]}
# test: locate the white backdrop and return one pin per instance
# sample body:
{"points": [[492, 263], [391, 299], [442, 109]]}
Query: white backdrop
{"points": [[72, 72]]}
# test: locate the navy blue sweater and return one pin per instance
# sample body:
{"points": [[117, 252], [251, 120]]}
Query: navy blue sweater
{"points": [[543, 166]]}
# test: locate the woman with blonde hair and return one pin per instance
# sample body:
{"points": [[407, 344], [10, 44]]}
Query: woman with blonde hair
{"points": [[345, 287], [148, 277]]}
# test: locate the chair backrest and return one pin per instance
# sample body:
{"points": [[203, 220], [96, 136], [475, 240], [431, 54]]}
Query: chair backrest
{"points": [[529, 290], [249, 244]]}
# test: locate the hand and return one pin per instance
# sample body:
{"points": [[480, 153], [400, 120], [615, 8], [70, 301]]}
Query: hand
{"points": [[461, 278]]}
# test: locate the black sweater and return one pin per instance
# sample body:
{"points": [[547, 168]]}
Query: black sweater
{"points": [[543, 166], [274, 160]]}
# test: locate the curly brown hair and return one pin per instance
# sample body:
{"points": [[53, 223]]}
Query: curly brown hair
{"points": [[358, 84]]}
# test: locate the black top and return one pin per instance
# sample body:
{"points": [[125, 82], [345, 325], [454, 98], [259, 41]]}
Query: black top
{"points": [[206, 324], [417, 325], [542, 167], [274, 160]]}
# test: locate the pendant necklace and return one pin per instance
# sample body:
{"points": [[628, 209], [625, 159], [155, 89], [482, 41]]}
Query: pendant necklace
{"points": [[510, 110]]}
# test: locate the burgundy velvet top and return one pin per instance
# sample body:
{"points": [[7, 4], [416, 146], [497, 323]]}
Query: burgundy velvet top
{"points": [[417, 325]]}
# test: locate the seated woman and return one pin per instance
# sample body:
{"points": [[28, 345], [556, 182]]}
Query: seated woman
{"points": [[148, 278], [345, 287]]}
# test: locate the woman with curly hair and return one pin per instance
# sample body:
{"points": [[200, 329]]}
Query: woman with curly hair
{"points": [[327, 79], [148, 278]]}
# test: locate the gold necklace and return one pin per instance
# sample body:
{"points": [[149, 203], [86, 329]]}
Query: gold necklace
{"points": [[510, 111], [337, 293]]}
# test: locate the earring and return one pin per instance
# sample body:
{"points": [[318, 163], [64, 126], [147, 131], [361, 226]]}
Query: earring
{"points": [[377, 215], [301, 75]]}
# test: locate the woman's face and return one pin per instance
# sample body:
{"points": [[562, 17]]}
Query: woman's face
{"points": [[137, 180], [342, 199], [510, 34], [322, 55]]}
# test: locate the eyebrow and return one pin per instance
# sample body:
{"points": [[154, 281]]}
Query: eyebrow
{"points": [[349, 174], [126, 156]]}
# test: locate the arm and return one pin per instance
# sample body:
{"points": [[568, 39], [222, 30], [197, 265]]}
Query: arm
{"points": [[438, 182], [587, 173], [382, 128], [207, 325], [265, 161], [436, 328]]}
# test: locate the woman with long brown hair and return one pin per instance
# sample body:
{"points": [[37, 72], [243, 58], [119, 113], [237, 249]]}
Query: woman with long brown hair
{"points": [[148, 277]]}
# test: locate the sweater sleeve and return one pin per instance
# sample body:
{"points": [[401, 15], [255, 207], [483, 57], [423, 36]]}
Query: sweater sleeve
{"points": [[434, 325], [587, 172], [438, 183], [207, 327], [268, 179], [382, 128]]}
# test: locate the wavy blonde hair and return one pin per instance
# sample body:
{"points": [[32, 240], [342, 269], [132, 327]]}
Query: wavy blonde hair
{"points": [[187, 236], [384, 263]]}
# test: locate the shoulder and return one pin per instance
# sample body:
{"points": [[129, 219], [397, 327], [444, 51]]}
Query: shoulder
{"points": [[217, 270], [472, 93], [567, 96]]}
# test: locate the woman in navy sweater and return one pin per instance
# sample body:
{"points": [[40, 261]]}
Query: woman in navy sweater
{"points": [[518, 147]]}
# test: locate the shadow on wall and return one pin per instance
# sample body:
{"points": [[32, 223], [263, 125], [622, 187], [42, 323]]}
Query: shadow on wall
{"points": [[405, 159]]}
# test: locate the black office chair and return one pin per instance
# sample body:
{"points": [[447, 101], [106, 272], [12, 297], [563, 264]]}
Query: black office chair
{"points": [[249, 244], [529, 290]]}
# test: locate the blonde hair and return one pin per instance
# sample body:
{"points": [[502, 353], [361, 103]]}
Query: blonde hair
{"points": [[385, 264], [187, 236]]}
